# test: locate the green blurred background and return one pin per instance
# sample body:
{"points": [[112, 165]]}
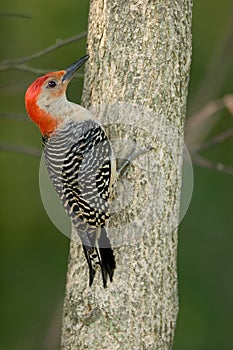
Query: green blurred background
{"points": [[34, 254]]}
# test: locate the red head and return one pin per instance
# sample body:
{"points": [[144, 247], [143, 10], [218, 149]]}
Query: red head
{"points": [[45, 99]]}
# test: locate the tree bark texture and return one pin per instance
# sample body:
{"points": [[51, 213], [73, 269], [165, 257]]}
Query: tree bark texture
{"points": [[136, 82]]}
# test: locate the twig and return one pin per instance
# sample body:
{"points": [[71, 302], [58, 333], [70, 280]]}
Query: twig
{"points": [[199, 124], [216, 140], [57, 45], [205, 163], [31, 151], [204, 113], [26, 68], [15, 15], [12, 116]]}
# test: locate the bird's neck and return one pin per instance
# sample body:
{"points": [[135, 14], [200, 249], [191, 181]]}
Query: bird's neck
{"points": [[49, 115], [45, 120]]}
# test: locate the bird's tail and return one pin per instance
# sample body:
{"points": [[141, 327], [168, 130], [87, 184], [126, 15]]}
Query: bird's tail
{"points": [[100, 254]]}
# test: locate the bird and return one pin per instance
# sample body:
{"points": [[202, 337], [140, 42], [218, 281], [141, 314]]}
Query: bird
{"points": [[80, 162]]}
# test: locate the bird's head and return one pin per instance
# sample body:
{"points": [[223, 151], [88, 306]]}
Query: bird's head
{"points": [[46, 97]]}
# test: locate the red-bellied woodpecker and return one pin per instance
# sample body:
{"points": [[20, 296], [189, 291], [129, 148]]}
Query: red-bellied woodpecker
{"points": [[80, 163]]}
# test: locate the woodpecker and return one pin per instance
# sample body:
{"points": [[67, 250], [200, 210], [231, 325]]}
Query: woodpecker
{"points": [[80, 163]]}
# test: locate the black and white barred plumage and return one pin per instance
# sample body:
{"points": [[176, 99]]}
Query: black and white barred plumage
{"points": [[79, 161]]}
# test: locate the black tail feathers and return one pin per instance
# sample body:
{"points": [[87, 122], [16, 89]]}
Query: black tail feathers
{"points": [[101, 254]]}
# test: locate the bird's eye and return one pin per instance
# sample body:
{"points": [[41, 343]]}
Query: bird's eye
{"points": [[52, 84]]}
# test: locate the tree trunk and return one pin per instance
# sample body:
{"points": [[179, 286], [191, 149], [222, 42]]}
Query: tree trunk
{"points": [[136, 82]]}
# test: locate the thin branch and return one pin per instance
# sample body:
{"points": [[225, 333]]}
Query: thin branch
{"points": [[205, 163], [57, 45], [216, 140], [25, 68], [195, 126], [15, 15], [200, 123], [13, 116], [27, 150], [204, 114], [38, 71]]}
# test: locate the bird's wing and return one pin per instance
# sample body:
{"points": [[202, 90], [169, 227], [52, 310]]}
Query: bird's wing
{"points": [[79, 162]]}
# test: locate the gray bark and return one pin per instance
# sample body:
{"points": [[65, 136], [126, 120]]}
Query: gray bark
{"points": [[136, 82]]}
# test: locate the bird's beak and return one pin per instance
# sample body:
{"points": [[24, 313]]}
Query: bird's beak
{"points": [[70, 71]]}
